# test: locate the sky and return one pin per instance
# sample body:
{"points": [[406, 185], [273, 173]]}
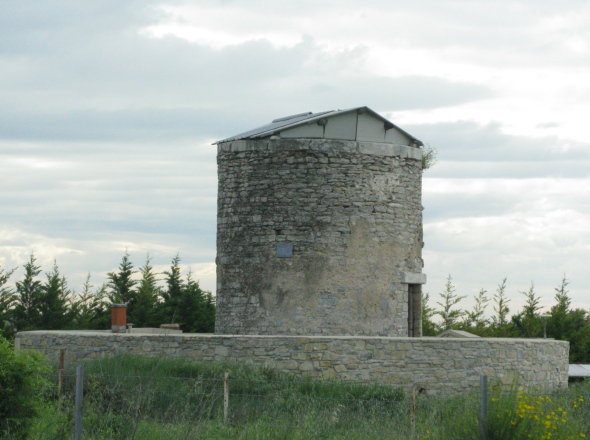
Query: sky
{"points": [[108, 110]]}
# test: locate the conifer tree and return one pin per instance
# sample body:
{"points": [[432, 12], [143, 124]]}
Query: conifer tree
{"points": [[173, 293], [428, 325], [7, 299], [531, 306], [185, 303], [121, 283], [28, 296], [196, 308], [450, 299], [143, 305], [500, 320], [89, 310], [475, 320], [557, 324], [53, 302], [527, 323], [562, 298], [569, 325], [579, 339]]}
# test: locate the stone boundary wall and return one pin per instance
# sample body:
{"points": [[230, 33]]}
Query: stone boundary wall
{"points": [[435, 364]]}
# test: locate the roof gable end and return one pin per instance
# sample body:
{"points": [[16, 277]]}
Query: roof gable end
{"points": [[354, 124]]}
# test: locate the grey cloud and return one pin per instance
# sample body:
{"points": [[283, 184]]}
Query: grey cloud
{"points": [[151, 123], [120, 125], [127, 120], [469, 141], [443, 206], [402, 93], [127, 188], [111, 83], [487, 33], [562, 166], [31, 27]]}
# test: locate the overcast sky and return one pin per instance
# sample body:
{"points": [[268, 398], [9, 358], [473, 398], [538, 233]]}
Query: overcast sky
{"points": [[108, 110]]}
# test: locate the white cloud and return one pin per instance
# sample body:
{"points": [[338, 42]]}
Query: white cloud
{"points": [[540, 234], [504, 47], [107, 111]]}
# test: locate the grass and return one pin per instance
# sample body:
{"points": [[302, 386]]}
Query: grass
{"points": [[138, 398]]}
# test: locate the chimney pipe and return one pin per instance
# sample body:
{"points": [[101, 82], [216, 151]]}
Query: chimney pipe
{"points": [[118, 318]]}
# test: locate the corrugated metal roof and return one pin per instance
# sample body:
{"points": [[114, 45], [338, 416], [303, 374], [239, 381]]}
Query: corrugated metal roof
{"points": [[274, 126], [579, 370], [300, 119]]}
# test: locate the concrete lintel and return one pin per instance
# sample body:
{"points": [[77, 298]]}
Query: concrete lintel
{"points": [[413, 278]]}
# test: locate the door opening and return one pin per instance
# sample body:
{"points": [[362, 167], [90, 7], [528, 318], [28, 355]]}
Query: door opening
{"points": [[414, 310]]}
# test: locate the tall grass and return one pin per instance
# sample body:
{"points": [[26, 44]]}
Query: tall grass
{"points": [[137, 398]]}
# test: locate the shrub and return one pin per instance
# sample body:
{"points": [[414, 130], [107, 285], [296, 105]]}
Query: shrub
{"points": [[22, 389], [521, 415]]}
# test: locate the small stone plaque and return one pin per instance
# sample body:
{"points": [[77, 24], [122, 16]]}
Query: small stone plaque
{"points": [[284, 250]]}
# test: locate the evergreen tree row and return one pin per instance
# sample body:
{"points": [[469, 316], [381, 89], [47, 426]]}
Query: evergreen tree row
{"points": [[49, 304], [37, 303], [562, 322]]}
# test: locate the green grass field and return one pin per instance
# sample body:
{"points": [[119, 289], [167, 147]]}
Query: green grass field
{"points": [[137, 398]]}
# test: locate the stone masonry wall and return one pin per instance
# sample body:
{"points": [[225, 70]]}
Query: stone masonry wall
{"points": [[352, 212], [435, 364]]}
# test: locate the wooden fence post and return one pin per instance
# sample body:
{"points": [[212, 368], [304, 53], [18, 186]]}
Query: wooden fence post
{"points": [[483, 406], [60, 371], [78, 406], [226, 398], [413, 415]]}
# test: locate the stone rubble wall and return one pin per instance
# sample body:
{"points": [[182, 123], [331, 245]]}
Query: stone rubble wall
{"points": [[353, 213], [435, 364]]}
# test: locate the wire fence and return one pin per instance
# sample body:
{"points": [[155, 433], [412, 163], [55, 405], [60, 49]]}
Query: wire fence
{"points": [[132, 405], [142, 406]]}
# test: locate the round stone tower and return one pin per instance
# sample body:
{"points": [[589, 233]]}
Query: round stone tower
{"points": [[319, 228]]}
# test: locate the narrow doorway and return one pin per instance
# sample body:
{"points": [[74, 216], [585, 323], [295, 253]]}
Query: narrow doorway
{"points": [[414, 310]]}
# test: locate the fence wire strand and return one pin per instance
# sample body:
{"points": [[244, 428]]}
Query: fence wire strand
{"points": [[152, 406]]}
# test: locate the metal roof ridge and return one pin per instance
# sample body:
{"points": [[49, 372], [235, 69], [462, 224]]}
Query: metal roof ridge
{"points": [[286, 118], [279, 124], [313, 117]]}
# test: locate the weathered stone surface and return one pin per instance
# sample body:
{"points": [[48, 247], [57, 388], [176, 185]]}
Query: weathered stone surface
{"points": [[353, 213], [437, 365]]}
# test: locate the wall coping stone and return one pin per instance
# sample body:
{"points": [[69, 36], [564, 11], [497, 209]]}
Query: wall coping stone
{"points": [[324, 145], [108, 333]]}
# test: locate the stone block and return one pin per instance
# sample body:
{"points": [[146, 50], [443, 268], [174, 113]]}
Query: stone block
{"points": [[221, 350], [287, 365], [328, 374], [332, 356], [305, 366]]}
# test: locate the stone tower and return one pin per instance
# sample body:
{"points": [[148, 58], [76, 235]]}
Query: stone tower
{"points": [[319, 228]]}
